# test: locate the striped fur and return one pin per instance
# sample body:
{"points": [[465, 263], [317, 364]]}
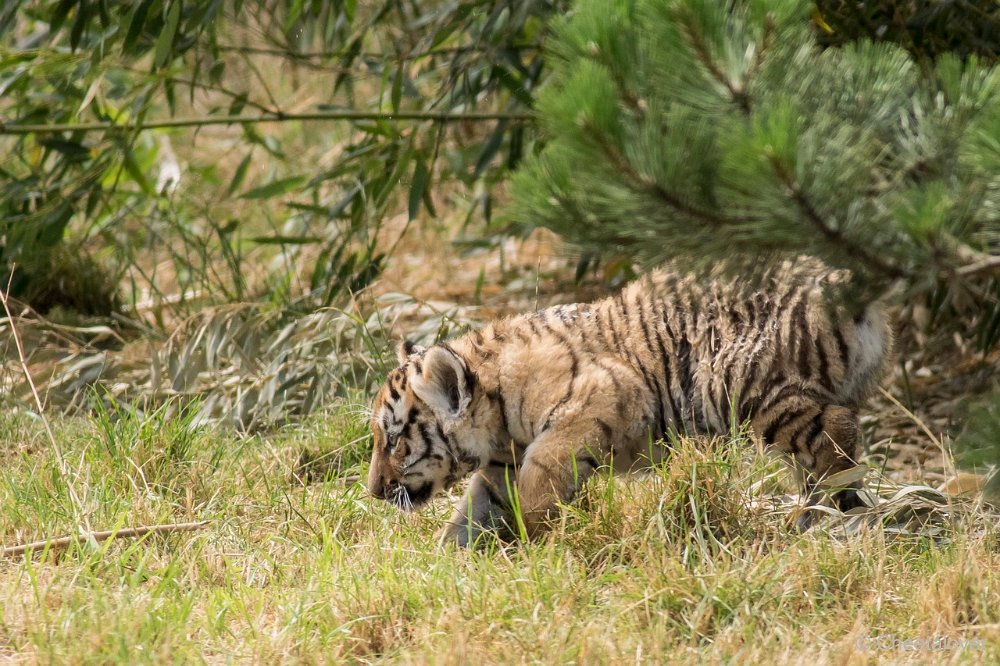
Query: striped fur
{"points": [[537, 402]]}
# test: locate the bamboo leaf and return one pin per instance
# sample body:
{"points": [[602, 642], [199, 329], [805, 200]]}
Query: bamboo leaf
{"points": [[417, 186], [274, 188], [514, 85], [133, 169], [59, 14], [237, 105], [241, 173], [83, 12], [136, 22], [165, 42], [285, 240], [490, 149], [73, 150], [397, 88]]}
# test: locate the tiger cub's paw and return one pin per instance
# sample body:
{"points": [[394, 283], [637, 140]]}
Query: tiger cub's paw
{"points": [[464, 535], [456, 534]]}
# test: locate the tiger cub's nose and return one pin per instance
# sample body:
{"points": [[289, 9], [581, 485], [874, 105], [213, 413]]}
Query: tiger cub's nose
{"points": [[376, 488], [380, 488]]}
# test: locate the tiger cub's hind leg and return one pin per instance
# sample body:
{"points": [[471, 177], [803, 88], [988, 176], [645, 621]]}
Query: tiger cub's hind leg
{"points": [[821, 440]]}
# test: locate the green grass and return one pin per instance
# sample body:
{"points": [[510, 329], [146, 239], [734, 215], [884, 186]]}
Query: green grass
{"points": [[681, 565]]}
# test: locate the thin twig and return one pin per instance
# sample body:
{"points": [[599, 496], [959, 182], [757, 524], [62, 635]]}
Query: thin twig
{"points": [[201, 85], [991, 264], [127, 533], [60, 459], [945, 458], [346, 114], [263, 82]]}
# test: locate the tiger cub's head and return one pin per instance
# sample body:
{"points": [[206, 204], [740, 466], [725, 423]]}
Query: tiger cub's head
{"points": [[432, 425]]}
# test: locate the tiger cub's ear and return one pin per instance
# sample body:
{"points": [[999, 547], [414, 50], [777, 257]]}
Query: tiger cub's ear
{"points": [[405, 349], [443, 382]]}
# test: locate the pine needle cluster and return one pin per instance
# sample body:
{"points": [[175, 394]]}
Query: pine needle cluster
{"points": [[699, 131]]}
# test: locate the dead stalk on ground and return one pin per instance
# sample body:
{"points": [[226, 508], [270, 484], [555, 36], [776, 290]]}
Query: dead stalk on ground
{"points": [[946, 464], [127, 533]]}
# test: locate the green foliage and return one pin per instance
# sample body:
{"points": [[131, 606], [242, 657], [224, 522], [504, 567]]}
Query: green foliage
{"points": [[698, 131], [67, 62], [68, 75], [147, 445], [73, 280]]}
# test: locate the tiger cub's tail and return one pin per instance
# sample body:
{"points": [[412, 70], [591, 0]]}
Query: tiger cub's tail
{"points": [[870, 351]]}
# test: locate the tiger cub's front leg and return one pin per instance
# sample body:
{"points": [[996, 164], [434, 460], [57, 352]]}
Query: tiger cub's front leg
{"points": [[606, 416], [557, 464], [484, 507]]}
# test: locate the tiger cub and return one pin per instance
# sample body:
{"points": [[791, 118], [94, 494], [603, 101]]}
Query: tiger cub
{"points": [[532, 405]]}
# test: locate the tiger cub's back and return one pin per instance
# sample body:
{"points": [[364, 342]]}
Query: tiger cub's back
{"points": [[707, 353]]}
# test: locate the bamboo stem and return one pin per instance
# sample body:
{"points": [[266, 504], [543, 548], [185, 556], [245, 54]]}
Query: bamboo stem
{"points": [[127, 533], [442, 116], [294, 54]]}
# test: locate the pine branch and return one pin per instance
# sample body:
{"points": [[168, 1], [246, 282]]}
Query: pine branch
{"points": [[659, 191], [127, 533], [349, 115], [737, 91], [812, 215], [766, 42], [630, 99]]}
